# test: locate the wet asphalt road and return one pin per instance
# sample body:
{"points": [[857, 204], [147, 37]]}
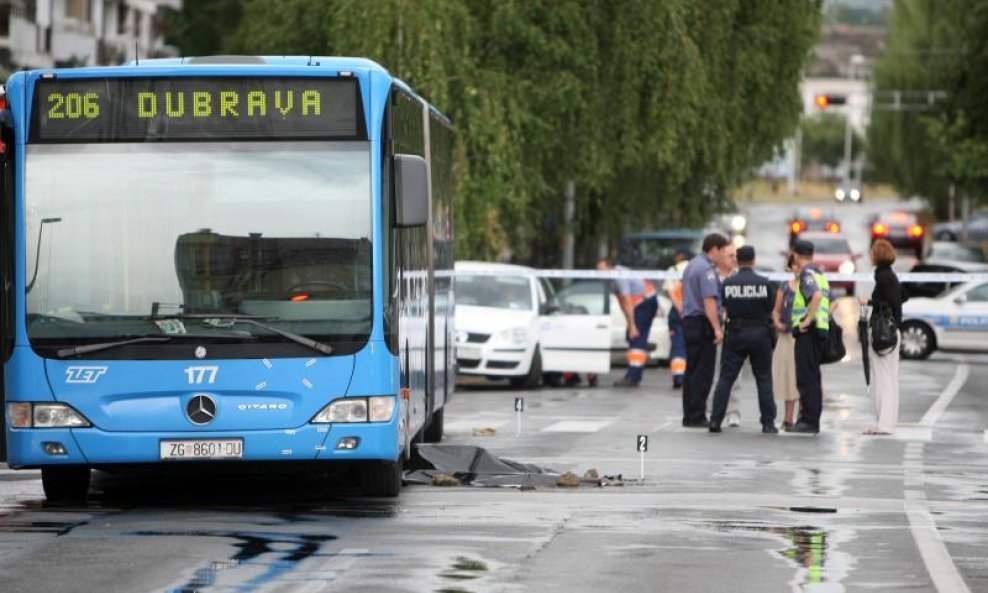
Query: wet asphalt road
{"points": [[739, 511]]}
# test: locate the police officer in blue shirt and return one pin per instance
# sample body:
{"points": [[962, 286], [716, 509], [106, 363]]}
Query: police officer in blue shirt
{"points": [[748, 299], [701, 327]]}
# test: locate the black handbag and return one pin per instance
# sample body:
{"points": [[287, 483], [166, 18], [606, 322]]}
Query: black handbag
{"points": [[884, 332]]}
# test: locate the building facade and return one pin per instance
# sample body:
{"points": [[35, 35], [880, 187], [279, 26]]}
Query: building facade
{"points": [[65, 33]]}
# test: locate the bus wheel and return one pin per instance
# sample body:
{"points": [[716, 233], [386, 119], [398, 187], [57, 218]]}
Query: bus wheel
{"points": [[380, 478], [65, 483], [434, 433]]}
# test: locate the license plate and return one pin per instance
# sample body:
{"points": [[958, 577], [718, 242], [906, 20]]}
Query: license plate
{"points": [[468, 353], [192, 449]]}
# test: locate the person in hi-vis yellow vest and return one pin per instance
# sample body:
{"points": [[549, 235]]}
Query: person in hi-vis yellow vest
{"points": [[810, 326]]}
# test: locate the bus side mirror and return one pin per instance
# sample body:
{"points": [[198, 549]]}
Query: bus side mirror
{"points": [[411, 190]]}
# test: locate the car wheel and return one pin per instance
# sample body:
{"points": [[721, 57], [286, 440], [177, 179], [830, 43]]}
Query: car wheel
{"points": [[946, 236], [918, 341], [534, 376]]}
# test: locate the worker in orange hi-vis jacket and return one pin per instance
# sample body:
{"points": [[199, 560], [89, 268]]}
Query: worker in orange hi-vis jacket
{"points": [[677, 339], [639, 304]]}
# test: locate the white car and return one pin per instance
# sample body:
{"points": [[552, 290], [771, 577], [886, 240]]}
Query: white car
{"points": [[956, 319], [585, 295], [509, 325]]}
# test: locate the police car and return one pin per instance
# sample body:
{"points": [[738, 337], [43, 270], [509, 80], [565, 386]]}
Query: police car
{"points": [[957, 319]]}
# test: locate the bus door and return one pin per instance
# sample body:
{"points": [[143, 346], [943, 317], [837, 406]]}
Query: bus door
{"points": [[7, 301], [575, 329]]}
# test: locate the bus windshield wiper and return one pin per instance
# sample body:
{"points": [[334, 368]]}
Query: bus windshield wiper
{"points": [[253, 320], [87, 348]]}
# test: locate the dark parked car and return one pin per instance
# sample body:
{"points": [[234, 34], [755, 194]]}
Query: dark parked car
{"points": [[655, 250], [977, 228], [933, 289], [902, 229]]}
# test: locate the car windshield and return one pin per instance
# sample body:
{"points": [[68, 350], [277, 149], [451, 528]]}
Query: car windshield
{"points": [[120, 235], [899, 218], [498, 292], [830, 246], [956, 252]]}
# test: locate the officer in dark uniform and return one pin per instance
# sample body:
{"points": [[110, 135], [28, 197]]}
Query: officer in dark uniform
{"points": [[748, 301]]}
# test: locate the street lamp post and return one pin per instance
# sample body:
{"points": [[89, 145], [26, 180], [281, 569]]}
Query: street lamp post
{"points": [[855, 61]]}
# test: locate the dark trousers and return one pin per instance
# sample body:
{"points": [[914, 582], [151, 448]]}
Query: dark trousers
{"points": [[701, 356], [754, 343], [638, 348], [808, 378]]}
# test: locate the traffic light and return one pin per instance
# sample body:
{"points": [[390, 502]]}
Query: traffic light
{"points": [[823, 101]]}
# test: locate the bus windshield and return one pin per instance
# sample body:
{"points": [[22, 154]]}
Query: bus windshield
{"points": [[121, 236]]}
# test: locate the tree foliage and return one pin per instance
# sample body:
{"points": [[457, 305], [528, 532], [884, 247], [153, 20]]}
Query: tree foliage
{"points": [[823, 140], [653, 110], [935, 46]]}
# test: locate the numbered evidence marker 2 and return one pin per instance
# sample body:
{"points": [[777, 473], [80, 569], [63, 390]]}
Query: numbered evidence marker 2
{"points": [[519, 408], [642, 448]]}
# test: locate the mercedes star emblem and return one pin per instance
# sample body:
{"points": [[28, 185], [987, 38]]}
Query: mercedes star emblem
{"points": [[200, 352], [201, 409]]}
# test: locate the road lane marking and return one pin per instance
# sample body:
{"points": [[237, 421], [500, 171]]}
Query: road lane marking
{"points": [[939, 564], [949, 393], [577, 426]]}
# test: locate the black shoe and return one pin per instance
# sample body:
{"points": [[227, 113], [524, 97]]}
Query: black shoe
{"points": [[625, 382], [714, 427], [786, 426], [770, 429], [701, 424], [677, 382], [804, 428]]}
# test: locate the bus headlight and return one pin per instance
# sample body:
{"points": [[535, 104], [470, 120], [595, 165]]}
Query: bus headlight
{"points": [[357, 409], [44, 415]]}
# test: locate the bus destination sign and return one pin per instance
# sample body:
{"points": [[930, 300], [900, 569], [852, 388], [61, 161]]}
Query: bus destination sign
{"points": [[196, 108]]}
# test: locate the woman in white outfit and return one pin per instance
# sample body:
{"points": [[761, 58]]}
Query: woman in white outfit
{"points": [[784, 356], [885, 364]]}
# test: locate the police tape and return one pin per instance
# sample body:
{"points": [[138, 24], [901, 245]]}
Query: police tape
{"points": [[667, 275]]}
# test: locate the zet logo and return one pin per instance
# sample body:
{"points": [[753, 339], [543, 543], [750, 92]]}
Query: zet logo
{"points": [[84, 374]]}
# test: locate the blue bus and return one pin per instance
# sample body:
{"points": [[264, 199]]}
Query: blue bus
{"points": [[223, 260]]}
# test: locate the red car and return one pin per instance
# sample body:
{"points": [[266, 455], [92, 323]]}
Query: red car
{"points": [[832, 254]]}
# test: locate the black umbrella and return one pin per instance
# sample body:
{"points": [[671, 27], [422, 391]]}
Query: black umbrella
{"points": [[863, 338]]}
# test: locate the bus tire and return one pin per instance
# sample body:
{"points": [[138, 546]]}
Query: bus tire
{"points": [[68, 482], [534, 376], [434, 433], [381, 478]]}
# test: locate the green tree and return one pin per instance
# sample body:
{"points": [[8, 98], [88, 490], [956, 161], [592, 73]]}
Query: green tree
{"points": [[823, 140], [935, 46], [202, 27], [654, 111]]}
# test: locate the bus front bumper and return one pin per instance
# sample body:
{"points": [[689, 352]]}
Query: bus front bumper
{"points": [[33, 448]]}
